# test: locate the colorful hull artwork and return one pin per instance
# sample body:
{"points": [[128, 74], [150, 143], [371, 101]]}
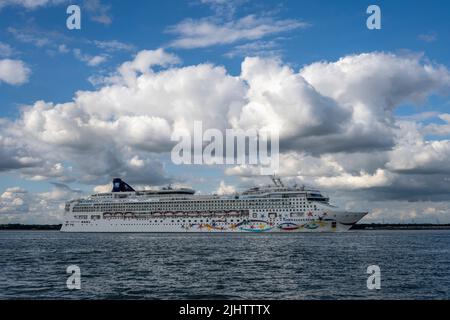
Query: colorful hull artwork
{"points": [[257, 226], [288, 226], [249, 226], [311, 226]]}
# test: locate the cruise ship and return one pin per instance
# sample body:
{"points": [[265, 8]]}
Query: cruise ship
{"points": [[274, 208]]}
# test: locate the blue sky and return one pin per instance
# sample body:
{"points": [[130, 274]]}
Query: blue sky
{"points": [[62, 62], [336, 28]]}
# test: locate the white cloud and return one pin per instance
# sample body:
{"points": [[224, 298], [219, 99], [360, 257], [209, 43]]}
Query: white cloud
{"points": [[363, 180], [34, 37], [404, 211], [414, 154], [5, 50], [114, 45], [13, 200], [372, 85], [18, 205], [338, 129], [225, 8], [275, 93], [376, 83], [144, 60], [208, 32], [91, 61], [96, 60], [62, 48], [260, 48], [14, 72], [30, 4], [139, 108], [98, 11], [428, 37], [439, 129], [103, 188], [225, 189]]}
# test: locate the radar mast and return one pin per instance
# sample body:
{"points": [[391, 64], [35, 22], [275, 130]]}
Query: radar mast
{"points": [[277, 181]]}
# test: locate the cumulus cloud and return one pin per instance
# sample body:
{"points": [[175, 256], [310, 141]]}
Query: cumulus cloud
{"points": [[439, 129], [14, 72], [336, 121], [13, 200], [376, 83], [19, 205], [414, 154], [225, 189], [398, 211], [140, 108], [361, 181], [103, 188], [373, 85], [275, 93]]}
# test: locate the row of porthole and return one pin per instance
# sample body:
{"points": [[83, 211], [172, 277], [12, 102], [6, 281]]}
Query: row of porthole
{"points": [[195, 221]]}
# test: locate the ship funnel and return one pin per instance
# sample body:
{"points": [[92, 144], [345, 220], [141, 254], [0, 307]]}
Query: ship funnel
{"points": [[121, 186]]}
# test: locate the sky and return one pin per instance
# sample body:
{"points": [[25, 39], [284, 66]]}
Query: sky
{"points": [[364, 115]]}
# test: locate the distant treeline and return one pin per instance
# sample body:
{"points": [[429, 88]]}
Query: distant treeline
{"points": [[400, 226], [30, 227]]}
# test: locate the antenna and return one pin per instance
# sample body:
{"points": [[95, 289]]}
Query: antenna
{"points": [[277, 180]]}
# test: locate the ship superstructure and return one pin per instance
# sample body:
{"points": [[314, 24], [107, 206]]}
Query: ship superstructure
{"points": [[274, 208]]}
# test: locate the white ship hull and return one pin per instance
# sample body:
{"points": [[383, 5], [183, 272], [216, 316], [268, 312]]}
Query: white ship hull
{"points": [[166, 225], [274, 209]]}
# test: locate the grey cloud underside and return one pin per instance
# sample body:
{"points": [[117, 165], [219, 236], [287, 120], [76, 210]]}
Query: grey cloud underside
{"points": [[357, 140], [412, 188]]}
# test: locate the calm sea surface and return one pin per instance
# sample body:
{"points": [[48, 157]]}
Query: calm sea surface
{"points": [[414, 265]]}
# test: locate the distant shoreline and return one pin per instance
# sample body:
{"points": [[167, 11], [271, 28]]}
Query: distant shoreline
{"points": [[362, 226], [16, 226], [401, 226]]}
